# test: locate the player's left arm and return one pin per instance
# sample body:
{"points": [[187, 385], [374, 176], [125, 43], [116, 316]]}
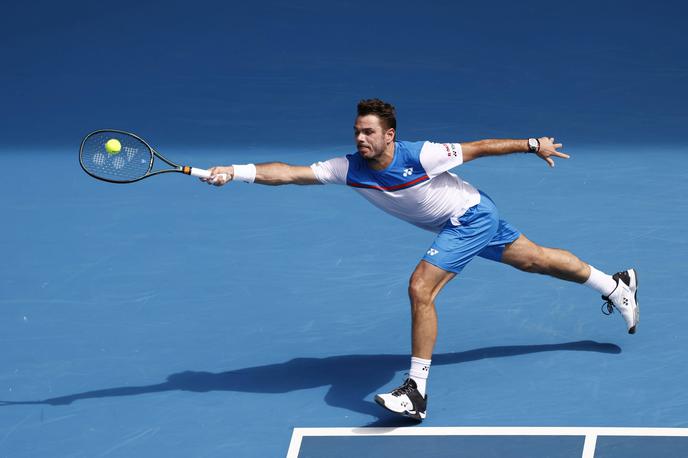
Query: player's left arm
{"points": [[547, 149]]}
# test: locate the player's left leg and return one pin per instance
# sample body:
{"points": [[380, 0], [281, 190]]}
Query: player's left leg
{"points": [[525, 255], [618, 290]]}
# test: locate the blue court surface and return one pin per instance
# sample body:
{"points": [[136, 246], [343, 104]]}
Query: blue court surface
{"points": [[178, 319], [489, 442], [170, 318]]}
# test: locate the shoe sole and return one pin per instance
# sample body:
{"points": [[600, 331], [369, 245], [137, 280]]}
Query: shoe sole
{"points": [[416, 416], [636, 312]]}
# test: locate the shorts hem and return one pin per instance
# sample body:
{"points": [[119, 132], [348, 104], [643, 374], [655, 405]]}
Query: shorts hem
{"points": [[441, 267]]}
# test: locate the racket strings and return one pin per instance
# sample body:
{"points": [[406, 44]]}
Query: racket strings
{"points": [[131, 162]]}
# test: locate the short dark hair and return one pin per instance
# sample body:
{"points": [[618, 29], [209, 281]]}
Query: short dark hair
{"points": [[383, 110]]}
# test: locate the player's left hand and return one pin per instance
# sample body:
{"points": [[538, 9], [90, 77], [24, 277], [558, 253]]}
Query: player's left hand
{"points": [[548, 149]]}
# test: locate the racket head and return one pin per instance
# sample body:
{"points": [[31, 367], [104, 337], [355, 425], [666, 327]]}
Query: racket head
{"points": [[131, 163]]}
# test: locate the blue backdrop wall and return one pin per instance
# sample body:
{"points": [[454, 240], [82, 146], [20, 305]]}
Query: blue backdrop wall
{"points": [[217, 73]]}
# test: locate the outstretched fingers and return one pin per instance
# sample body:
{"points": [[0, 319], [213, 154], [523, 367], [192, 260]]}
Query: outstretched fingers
{"points": [[549, 149]]}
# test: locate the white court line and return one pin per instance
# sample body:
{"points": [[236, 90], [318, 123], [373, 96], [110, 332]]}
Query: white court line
{"points": [[589, 446], [295, 444], [590, 433]]}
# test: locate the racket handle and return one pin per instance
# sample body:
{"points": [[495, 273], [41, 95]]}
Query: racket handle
{"points": [[200, 173], [203, 173]]}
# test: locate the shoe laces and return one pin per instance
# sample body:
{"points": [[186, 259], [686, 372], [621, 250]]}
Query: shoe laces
{"points": [[406, 388], [607, 306]]}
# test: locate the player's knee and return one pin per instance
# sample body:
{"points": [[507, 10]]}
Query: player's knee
{"points": [[419, 291]]}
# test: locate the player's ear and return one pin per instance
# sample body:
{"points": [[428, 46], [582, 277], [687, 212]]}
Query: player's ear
{"points": [[390, 135]]}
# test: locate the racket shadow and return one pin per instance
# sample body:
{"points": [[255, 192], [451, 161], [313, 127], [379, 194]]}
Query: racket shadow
{"points": [[348, 389]]}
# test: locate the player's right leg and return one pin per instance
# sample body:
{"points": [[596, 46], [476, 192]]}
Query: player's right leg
{"points": [[410, 399], [453, 248]]}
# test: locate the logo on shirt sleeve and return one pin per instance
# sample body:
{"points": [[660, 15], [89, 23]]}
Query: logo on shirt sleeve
{"points": [[451, 149], [408, 172]]}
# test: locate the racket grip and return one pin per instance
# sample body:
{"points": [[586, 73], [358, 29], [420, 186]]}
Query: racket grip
{"points": [[200, 173]]}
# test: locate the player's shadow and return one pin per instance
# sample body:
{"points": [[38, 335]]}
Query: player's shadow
{"points": [[352, 378]]}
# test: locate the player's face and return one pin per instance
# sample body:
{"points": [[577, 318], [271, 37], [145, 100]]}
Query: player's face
{"points": [[371, 137]]}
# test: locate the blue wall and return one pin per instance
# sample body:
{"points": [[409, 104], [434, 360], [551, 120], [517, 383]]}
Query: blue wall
{"points": [[212, 73]]}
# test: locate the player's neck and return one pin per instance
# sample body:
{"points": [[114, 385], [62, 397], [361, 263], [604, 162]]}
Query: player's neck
{"points": [[382, 162]]}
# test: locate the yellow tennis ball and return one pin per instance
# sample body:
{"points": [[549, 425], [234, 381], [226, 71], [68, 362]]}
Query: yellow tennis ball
{"points": [[113, 146]]}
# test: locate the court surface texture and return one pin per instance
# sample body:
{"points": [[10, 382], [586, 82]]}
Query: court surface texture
{"points": [[171, 318]]}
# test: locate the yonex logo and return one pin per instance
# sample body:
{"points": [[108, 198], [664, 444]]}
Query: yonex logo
{"points": [[432, 252], [408, 171], [118, 162]]}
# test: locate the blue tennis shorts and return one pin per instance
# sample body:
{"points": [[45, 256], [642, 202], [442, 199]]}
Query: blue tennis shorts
{"points": [[481, 233]]}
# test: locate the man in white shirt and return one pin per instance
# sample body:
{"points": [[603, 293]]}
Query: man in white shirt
{"points": [[411, 180]]}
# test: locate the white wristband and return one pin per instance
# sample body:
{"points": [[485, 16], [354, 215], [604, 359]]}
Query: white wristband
{"points": [[245, 173]]}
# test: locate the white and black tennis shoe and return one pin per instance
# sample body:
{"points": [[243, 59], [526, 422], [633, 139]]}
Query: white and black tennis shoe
{"points": [[405, 400], [624, 298]]}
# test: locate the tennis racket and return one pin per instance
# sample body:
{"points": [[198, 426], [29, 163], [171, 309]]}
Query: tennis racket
{"points": [[116, 156]]}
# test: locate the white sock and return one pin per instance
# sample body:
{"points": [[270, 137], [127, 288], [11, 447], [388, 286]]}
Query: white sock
{"points": [[600, 282], [420, 368]]}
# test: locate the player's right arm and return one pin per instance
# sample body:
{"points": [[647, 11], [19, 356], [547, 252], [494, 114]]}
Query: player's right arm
{"points": [[269, 173], [332, 171]]}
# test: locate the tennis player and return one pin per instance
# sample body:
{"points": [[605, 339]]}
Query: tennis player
{"points": [[412, 181]]}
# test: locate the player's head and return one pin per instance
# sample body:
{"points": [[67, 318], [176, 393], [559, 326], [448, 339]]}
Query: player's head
{"points": [[375, 127]]}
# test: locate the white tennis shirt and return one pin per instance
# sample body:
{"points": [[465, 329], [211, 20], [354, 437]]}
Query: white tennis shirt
{"points": [[416, 187]]}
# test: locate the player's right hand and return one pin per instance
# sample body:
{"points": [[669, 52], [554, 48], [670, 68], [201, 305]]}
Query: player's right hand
{"points": [[220, 175]]}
